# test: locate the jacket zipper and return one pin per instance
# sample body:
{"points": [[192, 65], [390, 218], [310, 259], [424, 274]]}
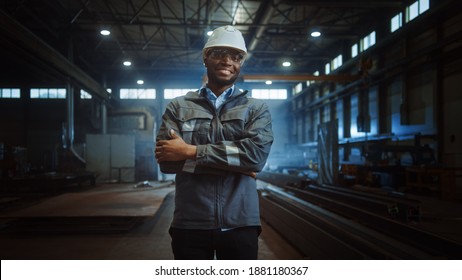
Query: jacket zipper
{"points": [[219, 187], [218, 207]]}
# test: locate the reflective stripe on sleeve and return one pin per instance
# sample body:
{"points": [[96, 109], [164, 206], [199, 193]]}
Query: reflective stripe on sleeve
{"points": [[232, 153]]}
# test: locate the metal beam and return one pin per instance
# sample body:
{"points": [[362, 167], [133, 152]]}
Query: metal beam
{"points": [[25, 40], [265, 18]]}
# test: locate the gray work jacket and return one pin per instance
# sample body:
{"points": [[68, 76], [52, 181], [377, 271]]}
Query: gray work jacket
{"points": [[213, 190]]}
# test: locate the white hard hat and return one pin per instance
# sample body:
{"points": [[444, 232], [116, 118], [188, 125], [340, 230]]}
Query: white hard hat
{"points": [[226, 36]]}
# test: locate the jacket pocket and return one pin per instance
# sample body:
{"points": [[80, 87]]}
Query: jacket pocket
{"points": [[195, 127], [233, 124]]}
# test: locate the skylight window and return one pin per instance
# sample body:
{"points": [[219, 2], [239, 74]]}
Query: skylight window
{"points": [[10, 93]]}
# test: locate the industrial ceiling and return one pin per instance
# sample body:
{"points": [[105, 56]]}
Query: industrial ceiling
{"points": [[163, 38]]}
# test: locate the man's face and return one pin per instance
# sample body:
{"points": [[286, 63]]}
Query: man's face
{"points": [[223, 65]]}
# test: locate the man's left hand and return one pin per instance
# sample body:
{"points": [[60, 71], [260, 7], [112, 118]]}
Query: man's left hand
{"points": [[175, 149]]}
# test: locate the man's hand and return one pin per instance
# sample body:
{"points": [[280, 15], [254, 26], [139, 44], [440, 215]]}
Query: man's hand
{"points": [[175, 149], [251, 174]]}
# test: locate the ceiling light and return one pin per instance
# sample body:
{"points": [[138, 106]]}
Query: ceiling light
{"points": [[140, 82], [127, 63], [105, 32], [268, 82], [315, 34], [286, 63]]}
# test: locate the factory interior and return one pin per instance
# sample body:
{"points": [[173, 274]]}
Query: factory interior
{"points": [[366, 162]]}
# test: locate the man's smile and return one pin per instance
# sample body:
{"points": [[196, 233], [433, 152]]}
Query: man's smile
{"points": [[224, 71]]}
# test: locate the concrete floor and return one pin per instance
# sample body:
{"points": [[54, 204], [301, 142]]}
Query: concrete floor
{"points": [[58, 231], [120, 222]]}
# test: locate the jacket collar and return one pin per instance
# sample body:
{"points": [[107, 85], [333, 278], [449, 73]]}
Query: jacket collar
{"points": [[198, 95]]}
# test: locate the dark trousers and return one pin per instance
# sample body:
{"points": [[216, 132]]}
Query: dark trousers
{"points": [[236, 244]]}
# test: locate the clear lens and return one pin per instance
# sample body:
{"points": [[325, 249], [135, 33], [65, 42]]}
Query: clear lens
{"points": [[222, 53]]}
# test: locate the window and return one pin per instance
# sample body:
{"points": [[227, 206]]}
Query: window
{"points": [[48, 93], [170, 93], [337, 62], [367, 41], [10, 93], [396, 22], [137, 93], [327, 68], [269, 93], [354, 50], [299, 87], [84, 94], [423, 5], [308, 83], [412, 11], [416, 9]]}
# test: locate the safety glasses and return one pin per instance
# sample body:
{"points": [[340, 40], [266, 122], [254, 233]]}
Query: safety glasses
{"points": [[222, 53]]}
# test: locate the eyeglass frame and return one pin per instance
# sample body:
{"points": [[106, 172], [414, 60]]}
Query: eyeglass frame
{"points": [[220, 53]]}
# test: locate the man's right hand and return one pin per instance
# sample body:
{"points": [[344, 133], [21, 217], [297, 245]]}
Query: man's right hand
{"points": [[175, 149]]}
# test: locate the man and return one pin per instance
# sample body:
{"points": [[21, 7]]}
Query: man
{"points": [[215, 140]]}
